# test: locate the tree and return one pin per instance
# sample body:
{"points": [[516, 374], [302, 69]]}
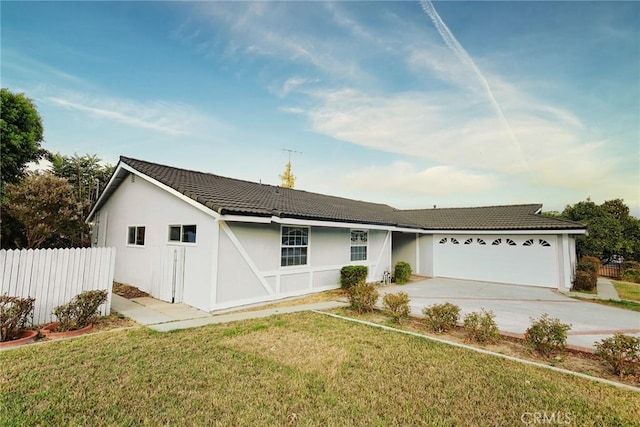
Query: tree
{"points": [[87, 176], [46, 207], [612, 230], [85, 173], [288, 179], [21, 132]]}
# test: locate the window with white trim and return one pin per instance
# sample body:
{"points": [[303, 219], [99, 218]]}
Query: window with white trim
{"points": [[294, 246], [135, 236], [359, 240], [182, 233]]}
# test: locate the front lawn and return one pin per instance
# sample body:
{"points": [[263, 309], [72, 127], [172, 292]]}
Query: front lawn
{"points": [[296, 369], [628, 290]]}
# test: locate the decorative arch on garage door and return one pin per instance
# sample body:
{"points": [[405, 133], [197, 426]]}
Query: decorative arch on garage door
{"points": [[523, 260]]}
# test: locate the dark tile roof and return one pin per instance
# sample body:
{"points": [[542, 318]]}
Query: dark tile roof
{"points": [[238, 197], [234, 196], [510, 217]]}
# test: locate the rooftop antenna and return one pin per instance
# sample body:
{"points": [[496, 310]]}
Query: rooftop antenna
{"points": [[288, 179]]}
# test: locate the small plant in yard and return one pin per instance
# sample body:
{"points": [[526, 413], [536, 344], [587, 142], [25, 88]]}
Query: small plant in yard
{"points": [[586, 274], [547, 335], [81, 311], [481, 326], [401, 272], [363, 297], [441, 317], [351, 275], [396, 306], [621, 352], [15, 314], [585, 281]]}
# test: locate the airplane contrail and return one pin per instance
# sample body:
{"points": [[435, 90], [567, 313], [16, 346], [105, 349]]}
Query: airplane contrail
{"points": [[462, 54]]}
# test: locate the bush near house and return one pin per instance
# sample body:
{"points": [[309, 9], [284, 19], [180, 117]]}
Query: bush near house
{"points": [[363, 297], [546, 335], [586, 274], [15, 315], [396, 306], [585, 281], [441, 317], [621, 352], [401, 272], [351, 275], [81, 311], [481, 326]]}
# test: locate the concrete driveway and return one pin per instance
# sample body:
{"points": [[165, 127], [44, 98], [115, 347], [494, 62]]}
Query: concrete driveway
{"points": [[514, 305]]}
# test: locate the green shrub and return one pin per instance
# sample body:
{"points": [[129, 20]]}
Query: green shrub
{"points": [[631, 275], [396, 306], [401, 272], [81, 311], [621, 352], [589, 263], [15, 314], [441, 317], [363, 297], [585, 281], [351, 275], [481, 326], [547, 335], [630, 265]]}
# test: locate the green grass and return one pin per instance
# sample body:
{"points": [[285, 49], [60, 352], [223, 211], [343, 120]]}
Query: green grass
{"points": [[628, 290], [297, 369]]}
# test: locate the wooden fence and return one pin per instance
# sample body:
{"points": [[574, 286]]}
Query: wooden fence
{"points": [[610, 270], [54, 276]]}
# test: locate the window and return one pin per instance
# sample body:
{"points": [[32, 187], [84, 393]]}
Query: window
{"points": [[454, 241], [528, 242], [468, 241], [544, 242], [295, 243], [496, 242], [136, 236], [182, 233], [443, 241], [359, 245], [480, 242], [511, 242]]}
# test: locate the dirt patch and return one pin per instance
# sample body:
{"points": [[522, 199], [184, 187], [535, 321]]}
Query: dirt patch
{"points": [[128, 291], [283, 345], [571, 360], [333, 295], [113, 321]]}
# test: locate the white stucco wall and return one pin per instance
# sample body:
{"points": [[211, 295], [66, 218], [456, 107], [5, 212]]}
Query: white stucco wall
{"points": [[140, 203], [404, 249], [425, 252], [249, 268]]}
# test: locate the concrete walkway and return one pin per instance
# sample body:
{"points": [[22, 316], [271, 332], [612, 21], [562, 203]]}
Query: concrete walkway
{"points": [[514, 306], [163, 316]]}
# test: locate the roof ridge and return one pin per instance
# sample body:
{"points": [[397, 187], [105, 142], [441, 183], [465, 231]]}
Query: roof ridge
{"points": [[539, 205]]}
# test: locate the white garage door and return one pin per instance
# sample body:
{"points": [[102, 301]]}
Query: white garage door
{"points": [[523, 260]]}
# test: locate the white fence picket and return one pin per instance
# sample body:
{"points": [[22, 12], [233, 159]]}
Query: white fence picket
{"points": [[55, 276]]}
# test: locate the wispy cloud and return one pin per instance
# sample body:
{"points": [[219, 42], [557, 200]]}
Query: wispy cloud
{"points": [[466, 59], [173, 119], [403, 177]]}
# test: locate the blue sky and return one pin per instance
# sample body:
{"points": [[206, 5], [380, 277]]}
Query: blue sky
{"points": [[407, 103]]}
